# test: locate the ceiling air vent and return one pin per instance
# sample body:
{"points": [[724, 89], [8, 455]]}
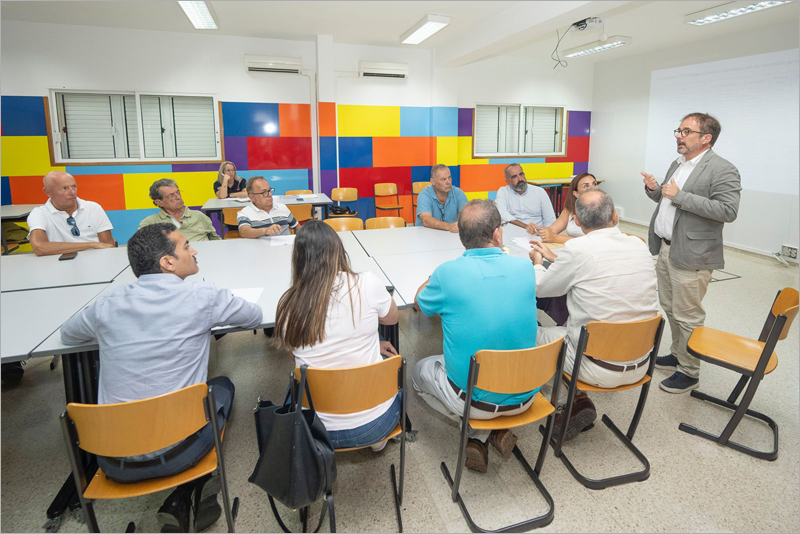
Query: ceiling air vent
{"points": [[372, 69], [287, 65]]}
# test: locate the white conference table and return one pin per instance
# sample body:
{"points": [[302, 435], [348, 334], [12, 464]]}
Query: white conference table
{"points": [[28, 271]]}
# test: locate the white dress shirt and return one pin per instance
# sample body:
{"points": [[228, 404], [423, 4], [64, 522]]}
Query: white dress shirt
{"points": [[532, 206], [666, 211]]}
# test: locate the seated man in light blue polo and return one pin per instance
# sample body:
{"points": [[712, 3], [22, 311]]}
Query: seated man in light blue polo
{"points": [[523, 205], [439, 204], [486, 300]]}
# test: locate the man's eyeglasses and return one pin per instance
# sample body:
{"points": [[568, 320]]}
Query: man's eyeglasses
{"points": [[174, 196], [265, 192], [685, 132], [75, 230]]}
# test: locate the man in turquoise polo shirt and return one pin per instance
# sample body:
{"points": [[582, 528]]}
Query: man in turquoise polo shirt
{"points": [[487, 300], [439, 204]]}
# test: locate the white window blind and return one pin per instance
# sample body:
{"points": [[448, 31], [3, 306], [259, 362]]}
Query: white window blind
{"points": [[509, 141], [131, 126], [194, 126], [542, 130], [151, 126], [518, 130], [487, 124], [88, 126]]}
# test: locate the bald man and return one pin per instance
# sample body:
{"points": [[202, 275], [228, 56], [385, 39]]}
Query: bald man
{"points": [[67, 223]]}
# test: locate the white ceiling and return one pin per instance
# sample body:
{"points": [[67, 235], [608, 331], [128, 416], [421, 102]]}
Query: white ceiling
{"points": [[475, 31]]}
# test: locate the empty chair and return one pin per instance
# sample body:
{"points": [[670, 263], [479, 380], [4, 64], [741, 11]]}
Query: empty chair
{"points": [[303, 212], [752, 359], [344, 194], [416, 187], [387, 190], [385, 222], [345, 224], [229, 220]]}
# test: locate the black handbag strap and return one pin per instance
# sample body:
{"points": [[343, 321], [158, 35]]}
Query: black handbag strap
{"points": [[281, 523], [298, 401]]}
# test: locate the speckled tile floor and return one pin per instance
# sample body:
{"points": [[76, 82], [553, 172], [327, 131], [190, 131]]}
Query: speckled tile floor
{"points": [[695, 485]]}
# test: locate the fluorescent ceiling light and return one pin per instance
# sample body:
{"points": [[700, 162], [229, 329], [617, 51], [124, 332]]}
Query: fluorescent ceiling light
{"points": [[424, 29], [199, 15], [728, 11], [614, 41]]}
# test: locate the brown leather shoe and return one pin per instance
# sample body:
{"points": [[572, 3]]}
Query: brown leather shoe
{"points": [[477, 456], [504, 441], [582, 417]]}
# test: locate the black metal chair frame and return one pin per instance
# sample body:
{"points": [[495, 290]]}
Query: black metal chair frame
{"points": [[82, 481], [769, 336], [389, 208], [626, 439], [528, 524]]}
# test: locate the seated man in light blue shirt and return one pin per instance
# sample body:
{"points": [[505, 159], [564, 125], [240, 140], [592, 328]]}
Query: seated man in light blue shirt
{"points": [[439, 204], [523, 205], [486, 300]]}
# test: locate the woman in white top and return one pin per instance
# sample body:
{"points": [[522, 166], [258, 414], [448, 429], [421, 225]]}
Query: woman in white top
{"points": [[552, 234], [329, 319]]}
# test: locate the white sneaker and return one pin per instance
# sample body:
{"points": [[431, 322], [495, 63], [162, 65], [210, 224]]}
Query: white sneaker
{"points": [[378, 447]]}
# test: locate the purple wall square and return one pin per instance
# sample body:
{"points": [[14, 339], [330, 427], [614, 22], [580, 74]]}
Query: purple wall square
{"points": [[236, 151], [195, 167], [465, 122], [311, 179], [580, 167], [328, 181], [580, 123]]}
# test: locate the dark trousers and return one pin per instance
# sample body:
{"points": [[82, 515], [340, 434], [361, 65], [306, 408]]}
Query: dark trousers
{"points": [[183, 456]]}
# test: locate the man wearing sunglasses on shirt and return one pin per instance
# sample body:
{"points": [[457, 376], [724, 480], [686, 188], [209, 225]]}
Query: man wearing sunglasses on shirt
{"points": [[67, 223], [265, 217]]}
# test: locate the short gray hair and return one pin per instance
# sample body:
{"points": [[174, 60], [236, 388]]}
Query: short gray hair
{"points": [[477, 221], [594, 209], [155, 189], [251, 183], [437, 168], [505, 171]]}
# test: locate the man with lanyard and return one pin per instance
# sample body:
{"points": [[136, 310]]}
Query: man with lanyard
{"points": [[439, 204]]}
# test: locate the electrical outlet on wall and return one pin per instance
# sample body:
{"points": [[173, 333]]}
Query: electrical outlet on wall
{"points": [[789, 252], [620, 211]]}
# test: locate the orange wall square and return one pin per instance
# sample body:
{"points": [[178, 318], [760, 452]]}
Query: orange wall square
{"points": [[327, 119], [105, 189], [295, 120], [403, 151], [482, 177]]}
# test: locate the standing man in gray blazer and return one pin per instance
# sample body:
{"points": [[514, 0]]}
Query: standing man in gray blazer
{"points": [[699, 194]]}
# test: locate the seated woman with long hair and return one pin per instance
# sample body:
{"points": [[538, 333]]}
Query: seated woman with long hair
{"points": [[566, 221], [329, 319]]}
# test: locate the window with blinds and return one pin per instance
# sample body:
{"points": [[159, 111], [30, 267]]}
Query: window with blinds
{"points": [[518, 130], [95, 127]]}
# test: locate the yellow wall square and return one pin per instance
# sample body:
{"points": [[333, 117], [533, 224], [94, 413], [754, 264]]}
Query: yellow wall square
{"points": [[25, 156], [465, 153], [196, 187], [447, 150], [369, 121], [534, 171], [472, 195]]}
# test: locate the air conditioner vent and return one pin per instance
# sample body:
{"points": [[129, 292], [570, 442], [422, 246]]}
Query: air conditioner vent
{"points": [[284, 65], [373, 69]]}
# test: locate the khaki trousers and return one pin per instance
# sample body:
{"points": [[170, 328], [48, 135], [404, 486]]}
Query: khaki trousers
{"points": [[680, 293]]}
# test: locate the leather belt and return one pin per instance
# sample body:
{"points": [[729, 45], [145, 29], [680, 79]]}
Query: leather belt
{"points": [[667, 241], [614, 367], [485, 406]]}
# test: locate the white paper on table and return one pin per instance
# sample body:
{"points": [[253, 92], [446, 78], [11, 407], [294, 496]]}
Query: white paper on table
{"points": [[280, 240], [241, 199], [250, 294], [524, 242]]}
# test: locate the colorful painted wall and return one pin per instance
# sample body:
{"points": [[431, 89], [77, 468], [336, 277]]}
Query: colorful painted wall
{"points": [[262, 139]]}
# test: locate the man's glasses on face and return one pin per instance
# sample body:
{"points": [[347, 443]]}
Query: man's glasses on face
{"points": [[174, 196], [265, 192], [685, 132], [75, 230]]}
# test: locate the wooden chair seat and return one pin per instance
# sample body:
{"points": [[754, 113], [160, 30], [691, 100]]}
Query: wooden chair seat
{"points": [[540, 409], [232, 234], [583, 386], [396, 432], [737, 351], [389, 207]]}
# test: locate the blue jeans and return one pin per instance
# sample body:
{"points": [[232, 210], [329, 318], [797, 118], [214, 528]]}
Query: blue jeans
{"points": [[372, 432]]}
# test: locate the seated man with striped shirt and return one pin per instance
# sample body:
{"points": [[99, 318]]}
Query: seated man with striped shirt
{"points": [[265, 217]]}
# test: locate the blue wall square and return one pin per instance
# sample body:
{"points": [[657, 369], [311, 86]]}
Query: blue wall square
{"points": [[126, 222], [492, 195], [366, 208], [455, 174], [445, 122], [415, 122], [23, 115], [355, 152], [327, 153], [5, 191], [421, 174], [281, 179], [244, 119]]}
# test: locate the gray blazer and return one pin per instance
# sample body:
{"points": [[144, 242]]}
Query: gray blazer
{"points": [[708, 199]]}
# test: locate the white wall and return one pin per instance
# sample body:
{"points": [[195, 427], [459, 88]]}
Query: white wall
{"points": [[619, 134]]}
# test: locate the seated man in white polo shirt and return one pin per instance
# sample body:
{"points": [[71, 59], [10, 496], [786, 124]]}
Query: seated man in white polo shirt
{"points": [[265, 217], [67, 223]]}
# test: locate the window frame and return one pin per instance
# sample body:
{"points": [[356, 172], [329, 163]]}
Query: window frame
{"points": [[56, 137], [521, 134]]}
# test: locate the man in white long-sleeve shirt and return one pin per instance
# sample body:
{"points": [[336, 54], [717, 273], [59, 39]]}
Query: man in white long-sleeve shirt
{"points": [[607, 276], [154, 338], [523, 205]]}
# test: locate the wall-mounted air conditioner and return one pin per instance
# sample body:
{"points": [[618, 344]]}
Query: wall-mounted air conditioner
{"points": [[374, 69], [289, 65]]}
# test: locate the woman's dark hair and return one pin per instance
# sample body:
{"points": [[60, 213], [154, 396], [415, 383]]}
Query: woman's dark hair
{"points": [[148, 245], [569, 202], [317, 260]]}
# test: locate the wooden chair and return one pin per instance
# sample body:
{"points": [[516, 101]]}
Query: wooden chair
{"points": [[229, 219], [512, 371], [750, 358], [140, 427], [416, 189], [387, 190], [614, 342], [302, 213], [345, 224], [385, 222], [634, 235], [355, 389], [344, 194]]}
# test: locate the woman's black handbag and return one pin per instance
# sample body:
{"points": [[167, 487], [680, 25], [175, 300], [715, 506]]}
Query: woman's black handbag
{"points": [[296, 457]]}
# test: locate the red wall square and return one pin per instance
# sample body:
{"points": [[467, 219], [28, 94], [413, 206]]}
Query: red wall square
{"points": [[577, 150], [365, 178], [265, 153]]}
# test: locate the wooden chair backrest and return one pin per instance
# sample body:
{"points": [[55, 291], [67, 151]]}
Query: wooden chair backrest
{"points": [[621, 342], [139, 427], [640, 237], [345, 224], [344, 194], [786, 303], [302, 212], [352, 389], [385, 189], [385, 222], [229, 216], [517, 371], [417, 187]]}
